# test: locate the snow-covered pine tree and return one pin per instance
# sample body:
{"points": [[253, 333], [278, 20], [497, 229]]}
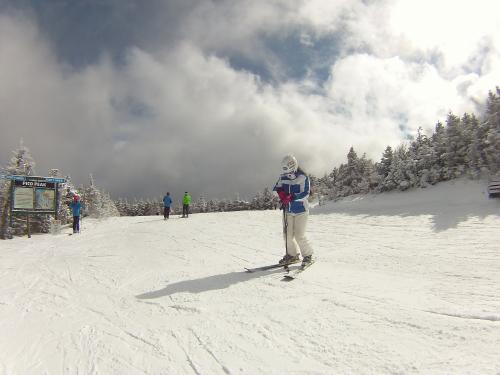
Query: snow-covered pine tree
{"points": [[320, 187], [108, 206], [222, 206], [257, 201], [140, 207], [120, 206], [96, 203], [127, 208], [422, 154], [146, 207], [338, 186], [397, 177], [201, 203], [4, 204], [91, 199], [21, 163], [347, 176], [383, 168], [66, 196], [492, 132], [269, 200], [212, 205], [369, 176], [456, 147], [474, 159], [464, 145], [136, 208], [333, 184], [438, 143], [353, 175]]}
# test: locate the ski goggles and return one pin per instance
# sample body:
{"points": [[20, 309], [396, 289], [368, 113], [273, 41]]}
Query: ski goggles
{"points": [[290, 176]]}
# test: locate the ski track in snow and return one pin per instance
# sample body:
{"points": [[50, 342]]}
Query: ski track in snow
{"points": [[395, 289]]}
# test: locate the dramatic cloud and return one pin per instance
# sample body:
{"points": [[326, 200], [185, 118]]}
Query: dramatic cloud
{"points": [[208, 96]]}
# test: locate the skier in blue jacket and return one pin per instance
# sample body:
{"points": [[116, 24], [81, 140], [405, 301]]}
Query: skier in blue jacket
{"points": [[293, 190], [76, 207], [167, 202]]}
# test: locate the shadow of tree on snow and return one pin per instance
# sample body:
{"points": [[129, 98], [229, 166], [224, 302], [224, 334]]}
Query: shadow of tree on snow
{"points": [[446, 209]]}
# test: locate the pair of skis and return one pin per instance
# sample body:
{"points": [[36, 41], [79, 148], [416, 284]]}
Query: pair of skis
{"points": [[291, 275]]}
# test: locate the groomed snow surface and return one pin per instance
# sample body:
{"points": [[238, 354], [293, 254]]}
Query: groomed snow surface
{"points": [[404, 283]]}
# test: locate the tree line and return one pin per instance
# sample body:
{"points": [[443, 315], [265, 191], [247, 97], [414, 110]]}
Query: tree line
{"points": [[264, 200], [462, 146], [99, 204]]}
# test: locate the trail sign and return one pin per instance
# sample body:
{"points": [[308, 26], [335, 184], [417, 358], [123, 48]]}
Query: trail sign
{"points": [[33, 195]]}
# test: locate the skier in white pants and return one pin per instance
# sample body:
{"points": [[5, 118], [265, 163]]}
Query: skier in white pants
{"points": [[293, 190]]}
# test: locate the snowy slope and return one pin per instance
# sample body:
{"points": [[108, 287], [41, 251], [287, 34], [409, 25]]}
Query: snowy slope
{"points": [[404, 283]]}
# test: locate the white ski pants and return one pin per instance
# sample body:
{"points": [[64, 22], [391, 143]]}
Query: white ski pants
{"points": [[296, 235]]}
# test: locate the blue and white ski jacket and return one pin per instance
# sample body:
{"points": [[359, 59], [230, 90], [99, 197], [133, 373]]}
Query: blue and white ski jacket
{"points": [[296, 184]]}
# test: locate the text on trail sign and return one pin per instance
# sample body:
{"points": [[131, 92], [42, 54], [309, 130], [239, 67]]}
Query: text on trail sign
{"points": [[33, 194]]}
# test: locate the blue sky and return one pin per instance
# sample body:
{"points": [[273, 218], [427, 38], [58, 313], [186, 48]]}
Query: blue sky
{"points": [[208, 96]]}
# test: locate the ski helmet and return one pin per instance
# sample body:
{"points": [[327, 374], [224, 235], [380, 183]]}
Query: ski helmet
{"points": [[289, 164]]}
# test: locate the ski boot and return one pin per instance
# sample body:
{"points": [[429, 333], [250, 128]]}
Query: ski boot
{"points": [[306, 261], [289, 259]]}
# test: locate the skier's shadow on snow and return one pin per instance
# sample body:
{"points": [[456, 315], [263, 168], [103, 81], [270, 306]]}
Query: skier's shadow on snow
{"points": [[205, 284]]}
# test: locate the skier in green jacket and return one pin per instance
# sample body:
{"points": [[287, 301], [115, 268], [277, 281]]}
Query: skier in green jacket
{"points": [[186, 201]]}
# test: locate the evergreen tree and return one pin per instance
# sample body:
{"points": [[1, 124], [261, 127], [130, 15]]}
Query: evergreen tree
{"points": [[4, 207], [349, 175], [109, 207], [456, 148], [91, 199], [474, 159], [438, 143], [321, 186], [334, 183], [463, 145], [492, 132], [397, 177], [213, 205], [269, 200], [369, 176], [23, 164], [384, 166], [98, 204], [422, 154], [201, 204], [121, 205], [257, 201]]}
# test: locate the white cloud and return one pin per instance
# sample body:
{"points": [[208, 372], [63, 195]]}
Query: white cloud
{"points": [[382, 95], [453, 27], [182, 118]]}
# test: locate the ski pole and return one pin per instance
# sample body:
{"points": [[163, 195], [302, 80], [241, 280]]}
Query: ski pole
{"points": [[285, 230]]}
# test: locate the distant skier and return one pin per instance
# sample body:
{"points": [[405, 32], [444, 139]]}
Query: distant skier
{"points": [[186, 201], [76, 207], [167, 202], [293, 190]]}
